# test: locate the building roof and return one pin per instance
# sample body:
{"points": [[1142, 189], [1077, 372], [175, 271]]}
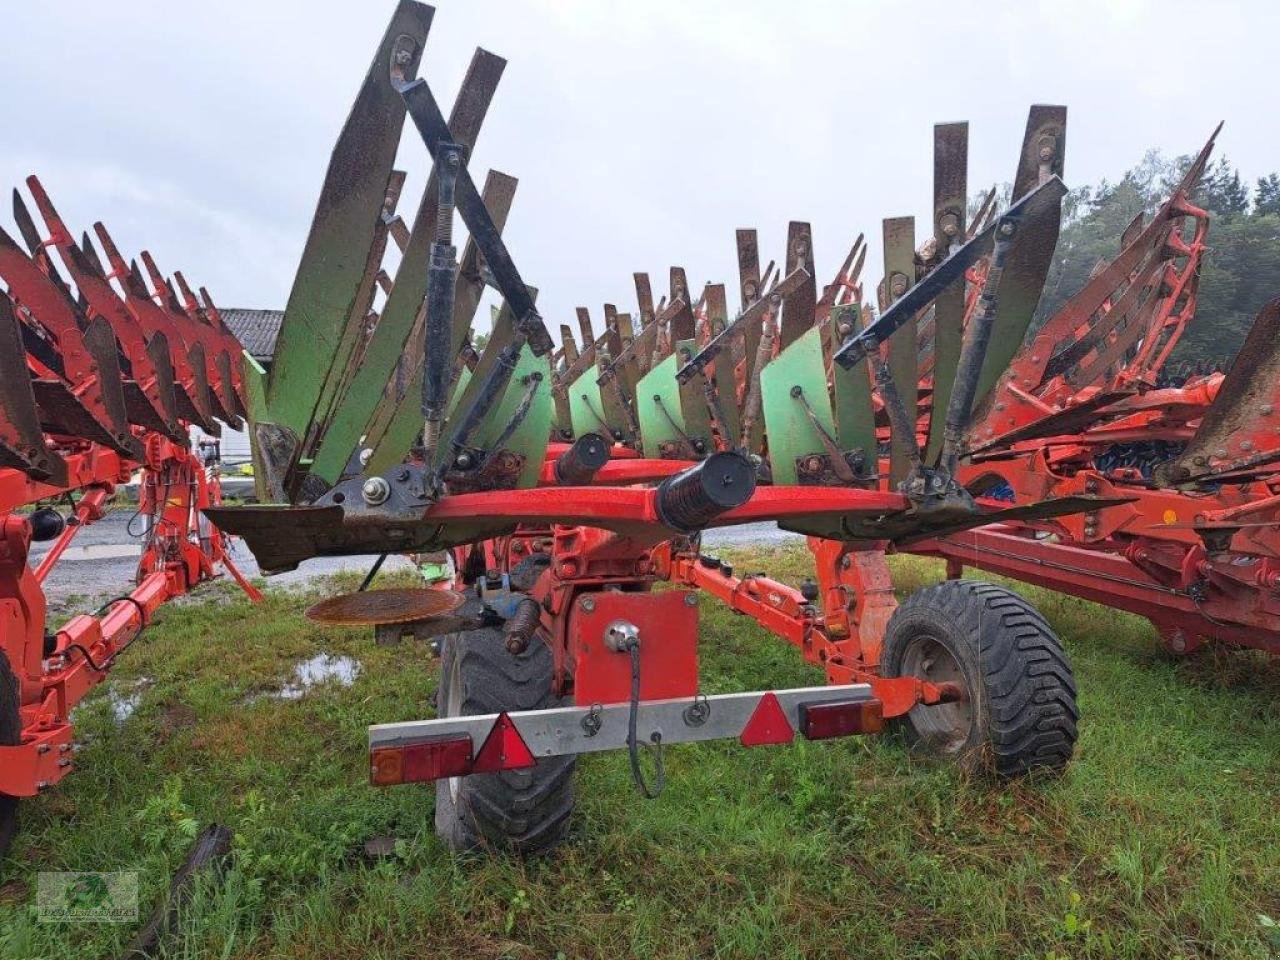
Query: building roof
{"points": [[255, 329]]}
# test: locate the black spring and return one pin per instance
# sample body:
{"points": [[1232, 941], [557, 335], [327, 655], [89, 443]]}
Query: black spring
{"points": [[691, 499]]}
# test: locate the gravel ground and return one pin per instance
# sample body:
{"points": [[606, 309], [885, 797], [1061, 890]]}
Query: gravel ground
{"points": [[101, 561]]}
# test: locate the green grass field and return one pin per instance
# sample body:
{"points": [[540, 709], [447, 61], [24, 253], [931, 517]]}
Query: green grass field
{"points": [[1162, 840]]}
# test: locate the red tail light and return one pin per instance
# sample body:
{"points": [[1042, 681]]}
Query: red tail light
{"points": [[431, 759], [840, 718]]}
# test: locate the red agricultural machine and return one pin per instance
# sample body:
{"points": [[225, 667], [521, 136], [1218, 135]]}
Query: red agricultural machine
{"points": [[101, 378], [1082, 409], [567, 485]]}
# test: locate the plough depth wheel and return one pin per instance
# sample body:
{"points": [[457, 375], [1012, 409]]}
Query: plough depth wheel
{"points": [[523, 811], [1018, 712]]}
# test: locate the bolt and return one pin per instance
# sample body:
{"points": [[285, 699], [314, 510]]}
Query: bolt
{"points": [[588, 604], [690, 599], [949, 224], [517, 645], [463, 462], [1006, 229], [375, 491], [898, 284], [403, 57]]}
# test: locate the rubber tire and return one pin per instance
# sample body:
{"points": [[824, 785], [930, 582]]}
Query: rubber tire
{"points": [[522, 812], [1018, 680], [10, 735]]}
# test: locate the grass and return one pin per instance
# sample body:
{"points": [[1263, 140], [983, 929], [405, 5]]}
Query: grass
{"points": [[1162, 840]]}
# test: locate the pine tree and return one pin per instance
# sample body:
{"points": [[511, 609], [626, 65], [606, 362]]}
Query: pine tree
{"points": [[1239, 273], [1266, 199], [1221, 190]]}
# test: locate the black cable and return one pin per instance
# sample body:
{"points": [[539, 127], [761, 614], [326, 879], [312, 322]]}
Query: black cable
{"points": [[85, 653], [633, 745], [142, 625], [373, 572], [125, 598]]}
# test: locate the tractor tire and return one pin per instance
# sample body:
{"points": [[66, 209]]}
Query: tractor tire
{"points": [[1019, 711], [10, 736], [521, 812]]}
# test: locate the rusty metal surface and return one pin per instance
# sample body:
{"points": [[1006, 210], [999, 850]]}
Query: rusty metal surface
{"points": [[1239, 431], [1043, 149], [401, 310], [899, 277], [950, 199], [391, 605], [351, 199], [799, 307], [22, 443]]}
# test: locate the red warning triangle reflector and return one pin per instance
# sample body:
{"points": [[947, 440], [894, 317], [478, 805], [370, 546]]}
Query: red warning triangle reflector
{"points": [[768, 724], [503, 749]]}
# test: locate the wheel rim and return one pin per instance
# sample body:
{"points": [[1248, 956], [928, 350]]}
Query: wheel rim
{"points": [[946, 725]]}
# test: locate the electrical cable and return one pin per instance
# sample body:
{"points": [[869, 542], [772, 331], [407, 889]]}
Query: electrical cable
{"points": [[633, 744]]}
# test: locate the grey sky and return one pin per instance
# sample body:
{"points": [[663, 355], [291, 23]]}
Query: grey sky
{"points": [[642, 133]]}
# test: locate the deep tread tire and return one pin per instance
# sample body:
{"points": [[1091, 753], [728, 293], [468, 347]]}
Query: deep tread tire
{"points": [[522, 812], [10, 735], [1021, 712]]}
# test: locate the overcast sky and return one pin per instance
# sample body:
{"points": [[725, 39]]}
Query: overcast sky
{"points": [[642, 133]]}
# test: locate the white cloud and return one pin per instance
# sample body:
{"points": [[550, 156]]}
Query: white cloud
{"points": [[642, 134]]}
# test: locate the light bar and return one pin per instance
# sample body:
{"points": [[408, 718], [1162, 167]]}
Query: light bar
{"points": [[513, 740]]}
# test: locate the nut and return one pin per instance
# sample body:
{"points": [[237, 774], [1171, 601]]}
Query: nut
{"points": [[375, 491]]}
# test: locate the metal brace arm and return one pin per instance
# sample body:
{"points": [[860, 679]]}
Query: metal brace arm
{"points": [[424, 110]]}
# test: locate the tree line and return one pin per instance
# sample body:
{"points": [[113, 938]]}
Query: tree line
{"points": [[1240, 270]]}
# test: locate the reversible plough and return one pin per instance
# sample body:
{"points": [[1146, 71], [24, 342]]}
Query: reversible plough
{"points": [[565, 483], [1082, 409], [103, 371]]}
